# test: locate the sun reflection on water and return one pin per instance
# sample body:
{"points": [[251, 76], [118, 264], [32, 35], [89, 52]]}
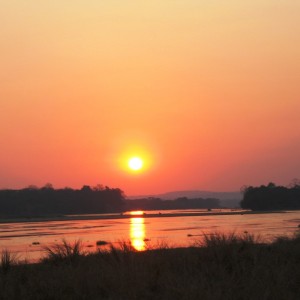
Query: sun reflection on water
{"points": [[137, 233]]}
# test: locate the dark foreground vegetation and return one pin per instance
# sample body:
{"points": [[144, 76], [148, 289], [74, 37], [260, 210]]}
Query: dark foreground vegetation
{"points": [[272, 197], [221, 267]]}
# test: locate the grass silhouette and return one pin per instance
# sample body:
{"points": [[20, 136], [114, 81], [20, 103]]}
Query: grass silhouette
{"points": [[64, 252], [7, 260], [220, 267]]}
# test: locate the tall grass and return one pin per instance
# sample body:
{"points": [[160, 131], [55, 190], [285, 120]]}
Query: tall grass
{"points": [[219, 239], [63, 252], [7, 260]]}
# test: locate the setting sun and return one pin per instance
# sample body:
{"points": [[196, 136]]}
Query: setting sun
{"points": [[135, 163], [135, 159]]}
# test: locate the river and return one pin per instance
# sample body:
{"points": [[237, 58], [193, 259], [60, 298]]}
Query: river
{"points": [[177, 228]]}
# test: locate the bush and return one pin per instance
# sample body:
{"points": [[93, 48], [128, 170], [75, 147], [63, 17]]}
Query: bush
{"points": [[64, 252]]}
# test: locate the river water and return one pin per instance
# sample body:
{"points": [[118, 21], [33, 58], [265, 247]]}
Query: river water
{"points": [[178, 228]]}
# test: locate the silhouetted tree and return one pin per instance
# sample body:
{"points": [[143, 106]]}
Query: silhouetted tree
{"points": [[295, 183], [271, 197], [49, 201]]}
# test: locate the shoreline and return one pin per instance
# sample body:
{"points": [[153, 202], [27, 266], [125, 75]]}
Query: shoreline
{"points": [[128, 216]]}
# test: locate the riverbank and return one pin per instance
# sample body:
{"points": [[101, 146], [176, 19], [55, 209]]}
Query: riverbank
{"points": [[222, 267], [162, 214]]}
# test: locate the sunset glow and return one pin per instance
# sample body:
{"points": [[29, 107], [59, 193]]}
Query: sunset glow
{"points": [[204, 93], [135, 163], [136, 213]]}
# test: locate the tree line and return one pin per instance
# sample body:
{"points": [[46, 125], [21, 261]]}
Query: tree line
{"points": [[153, 203], [46, 201], [272, 197], [33, 201]]}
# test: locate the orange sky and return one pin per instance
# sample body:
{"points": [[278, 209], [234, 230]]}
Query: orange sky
{"points": [[207, 91]]}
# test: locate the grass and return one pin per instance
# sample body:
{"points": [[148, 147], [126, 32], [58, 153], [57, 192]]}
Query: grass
{"points": [[7, 260], [219, 239], [64, 252], [221, 267]]}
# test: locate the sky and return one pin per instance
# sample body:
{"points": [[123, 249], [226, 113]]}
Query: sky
{"points": [[207, 93]]}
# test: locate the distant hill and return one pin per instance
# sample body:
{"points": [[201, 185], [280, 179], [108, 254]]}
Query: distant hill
{"points": [[193, 194], [227, 199]]}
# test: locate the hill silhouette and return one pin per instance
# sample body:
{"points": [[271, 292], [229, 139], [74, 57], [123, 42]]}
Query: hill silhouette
{"points": [[227, 199]]}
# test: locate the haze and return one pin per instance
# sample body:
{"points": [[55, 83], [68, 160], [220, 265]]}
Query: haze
{"points": [[208, 91]]}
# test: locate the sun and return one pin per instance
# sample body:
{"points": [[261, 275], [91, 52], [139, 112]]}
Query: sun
{"points": [[135, 163], [135, 160]]}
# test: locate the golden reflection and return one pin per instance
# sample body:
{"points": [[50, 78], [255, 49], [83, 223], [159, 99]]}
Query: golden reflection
{"points": [[137, 233], [136, 213]]}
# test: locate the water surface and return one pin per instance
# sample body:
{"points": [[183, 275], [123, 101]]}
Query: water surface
{"points": [[180, 229]]}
